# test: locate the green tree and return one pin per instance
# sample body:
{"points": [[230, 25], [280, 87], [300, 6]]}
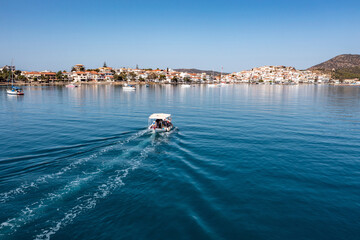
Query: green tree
{"points": [[22, 78], [104, 64], [187, 79], [132, 76], [152, 76], [175, 79], [162, 77], [59, 75], [120, 77], [73, 69]]}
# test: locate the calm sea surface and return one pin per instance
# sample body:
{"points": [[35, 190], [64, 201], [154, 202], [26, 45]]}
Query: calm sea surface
{"points": [[244, 162]]}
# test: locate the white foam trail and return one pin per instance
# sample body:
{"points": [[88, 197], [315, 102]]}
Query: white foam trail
{"points": [[31, 212], [28, 213], [89, 201], [25, 187]]}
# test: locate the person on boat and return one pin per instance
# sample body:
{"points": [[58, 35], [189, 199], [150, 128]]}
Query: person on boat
{"points": [[158, 124]]}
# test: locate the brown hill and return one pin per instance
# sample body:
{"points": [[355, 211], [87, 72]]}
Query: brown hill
{"points": [[345, 61]]}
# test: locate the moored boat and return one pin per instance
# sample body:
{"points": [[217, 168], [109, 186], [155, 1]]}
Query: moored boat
{"points": [[127, 87], [160, 122], [71, 85], [15, 91]]}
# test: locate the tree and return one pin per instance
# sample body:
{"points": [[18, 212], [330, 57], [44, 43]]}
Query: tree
{"points": [[22, 78], [82, 69], [73, 69], [132, 76], [123, 76], [152, 76], [120, 77], [42, 78], [175, 79], [59, 75], [162, 77], [187, 79], [104, 64]]}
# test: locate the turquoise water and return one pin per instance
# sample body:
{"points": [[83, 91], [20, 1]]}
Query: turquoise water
{"points": [[244, 162]]}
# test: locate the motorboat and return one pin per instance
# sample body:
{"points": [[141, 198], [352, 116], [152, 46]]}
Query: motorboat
{"points": [[127, 87], [15, 91], [160, 122], [185, 85], [214, 85]]}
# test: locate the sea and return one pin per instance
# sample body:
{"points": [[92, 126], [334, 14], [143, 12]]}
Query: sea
{"points": [[243, 162]]}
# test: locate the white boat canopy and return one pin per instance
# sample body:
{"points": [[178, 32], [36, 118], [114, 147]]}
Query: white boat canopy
{"points": [[161, 116]]}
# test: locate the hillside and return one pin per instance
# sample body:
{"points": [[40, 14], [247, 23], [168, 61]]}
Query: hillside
{"points": [[340, 67], [194, 70], [339, 62]]}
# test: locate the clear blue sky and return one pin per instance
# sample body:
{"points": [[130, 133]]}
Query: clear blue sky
{"points": [[237, 35]]}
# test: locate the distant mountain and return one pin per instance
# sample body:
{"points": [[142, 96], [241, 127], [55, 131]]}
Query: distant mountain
{"points": [[346, 66], [194, 70], [345, 61]]}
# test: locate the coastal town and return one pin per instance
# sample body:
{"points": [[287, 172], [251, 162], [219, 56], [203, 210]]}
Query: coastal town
{"points": [[80, 74]]}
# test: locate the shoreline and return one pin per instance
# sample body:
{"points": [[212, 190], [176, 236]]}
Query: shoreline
{"points": [[153, 83]]}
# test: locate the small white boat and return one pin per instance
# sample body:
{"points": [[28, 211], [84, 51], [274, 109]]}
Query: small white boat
{"points": [[214, 85], [128, 87], [71, 85], [185, 85], [14, 91], [160, 122]]}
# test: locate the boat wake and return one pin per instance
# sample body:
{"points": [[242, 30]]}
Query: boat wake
{"points": [[26, 187], [114, 174]]}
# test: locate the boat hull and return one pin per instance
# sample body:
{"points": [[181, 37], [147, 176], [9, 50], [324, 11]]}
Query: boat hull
{"points": [[10, 92], [129, 88], [160, 130]]}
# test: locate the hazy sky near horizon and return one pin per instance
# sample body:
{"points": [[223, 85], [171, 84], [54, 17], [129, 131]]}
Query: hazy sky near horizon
{"points": [[54, 35]]}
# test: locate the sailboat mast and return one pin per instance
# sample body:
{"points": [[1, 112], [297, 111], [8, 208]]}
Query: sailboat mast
{"points": [[12, 76]]}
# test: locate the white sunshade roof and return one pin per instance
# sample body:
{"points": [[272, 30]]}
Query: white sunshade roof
{"points": [[159, 116]]}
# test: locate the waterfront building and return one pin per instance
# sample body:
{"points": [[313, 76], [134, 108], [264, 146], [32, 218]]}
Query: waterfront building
{"points": [[79, 67], [44, 76]]}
